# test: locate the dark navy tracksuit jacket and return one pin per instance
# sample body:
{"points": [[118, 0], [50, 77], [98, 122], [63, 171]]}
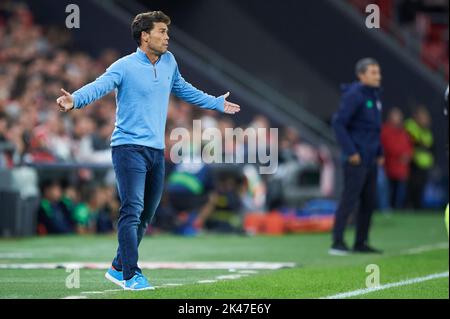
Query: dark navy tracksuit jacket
{"points": [[357, 125]]}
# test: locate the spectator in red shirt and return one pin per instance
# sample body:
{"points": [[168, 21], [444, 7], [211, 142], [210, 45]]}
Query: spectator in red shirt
{"points": [[398, 150]]}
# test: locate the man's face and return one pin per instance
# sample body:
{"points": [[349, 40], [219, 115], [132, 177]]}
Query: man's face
{"points": [[423, 118], [396, 118], [53, 193], [372, 76], [157, 39]]}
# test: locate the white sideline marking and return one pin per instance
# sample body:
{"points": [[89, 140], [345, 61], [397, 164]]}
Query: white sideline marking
{"points": [[171, 285], [155, 265], [360, 292], [100, 292], [75, 297], [168, 285], [425, 248], [227, 277], [15, 255], [247, 272]]}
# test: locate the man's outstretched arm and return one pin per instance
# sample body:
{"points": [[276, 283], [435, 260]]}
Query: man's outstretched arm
{"points": [[187, 92], [92, 91]]}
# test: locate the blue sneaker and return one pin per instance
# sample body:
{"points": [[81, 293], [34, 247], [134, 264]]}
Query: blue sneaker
{"points": [[115, 276], [138, 282]]}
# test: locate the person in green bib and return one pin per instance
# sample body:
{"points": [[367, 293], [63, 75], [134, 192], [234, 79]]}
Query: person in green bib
{"points": [[418, 128]]}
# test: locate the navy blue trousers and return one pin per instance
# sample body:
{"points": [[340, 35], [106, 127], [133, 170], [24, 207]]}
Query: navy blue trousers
{"points": [[140, 180], [360, 187]]}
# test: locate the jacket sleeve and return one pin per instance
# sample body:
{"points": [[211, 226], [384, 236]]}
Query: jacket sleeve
{"points": [[341, 120], [95, 90], [187, 92]]}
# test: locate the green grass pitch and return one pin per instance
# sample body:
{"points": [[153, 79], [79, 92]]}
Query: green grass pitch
{"points": [[415, 245]]}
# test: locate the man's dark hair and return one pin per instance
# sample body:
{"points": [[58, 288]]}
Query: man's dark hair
{"points": [[145, 22], [48, 183], [363, 64]]}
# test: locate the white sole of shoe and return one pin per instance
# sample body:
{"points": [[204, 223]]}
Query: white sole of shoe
{"points": [[337, 252], [114, 280]]}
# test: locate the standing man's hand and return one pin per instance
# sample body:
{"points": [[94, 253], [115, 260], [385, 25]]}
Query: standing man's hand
{"points": [[230, 108], [65, 101], [355, 159], [380, 161]]}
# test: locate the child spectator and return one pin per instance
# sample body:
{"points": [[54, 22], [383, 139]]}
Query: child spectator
{"points": [[92, 215], [53, 215]]}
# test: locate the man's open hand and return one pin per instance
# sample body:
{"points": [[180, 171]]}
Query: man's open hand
{"points": [[355, 159], [65, 101], [380, 161], [230, 108]]}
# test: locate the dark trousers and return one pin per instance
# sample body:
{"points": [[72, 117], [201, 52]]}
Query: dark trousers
{"points": [[360, 186], [140, 181], [397, 193], [416, 185]]}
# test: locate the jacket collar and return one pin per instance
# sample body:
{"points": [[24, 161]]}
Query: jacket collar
{"points": [[371, 89], [144, 58]]}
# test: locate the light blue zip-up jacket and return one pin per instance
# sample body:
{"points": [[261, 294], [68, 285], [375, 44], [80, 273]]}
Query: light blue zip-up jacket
{"points": [[142, 97]]}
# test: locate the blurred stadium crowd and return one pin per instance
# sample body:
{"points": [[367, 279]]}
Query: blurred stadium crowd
{"points": [[36, 61], [419, 25]]}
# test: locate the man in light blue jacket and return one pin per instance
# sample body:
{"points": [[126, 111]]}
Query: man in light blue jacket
{"points": [[143, 82]]}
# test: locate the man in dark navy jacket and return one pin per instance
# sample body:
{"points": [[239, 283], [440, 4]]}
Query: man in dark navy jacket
{"points": [[357, 125]]}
